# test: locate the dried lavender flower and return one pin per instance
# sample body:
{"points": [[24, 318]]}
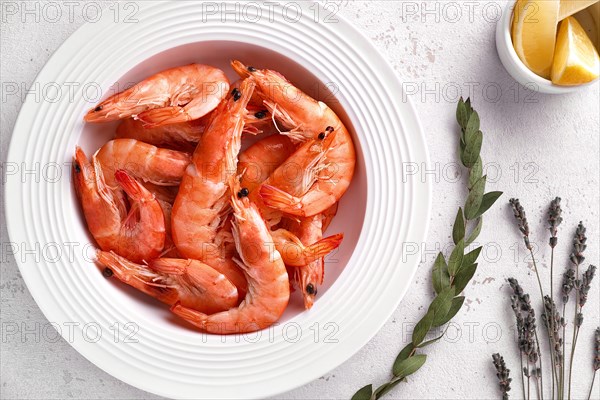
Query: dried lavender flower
{"points": [[554, 220], [579, 245], [586, 283], [568, 283], [579, 319], [553, 322], [526, 324], [519, 213], [503, 374]]}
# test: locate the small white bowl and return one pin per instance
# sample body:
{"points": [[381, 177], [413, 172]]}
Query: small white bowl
{"points": [[515, 66]]}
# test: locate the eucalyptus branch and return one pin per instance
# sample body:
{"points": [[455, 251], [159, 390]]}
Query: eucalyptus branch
{"points": [[449, 277]]}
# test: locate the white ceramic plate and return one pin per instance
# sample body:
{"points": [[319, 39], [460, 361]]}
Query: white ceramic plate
{"points": [[383, 210]]}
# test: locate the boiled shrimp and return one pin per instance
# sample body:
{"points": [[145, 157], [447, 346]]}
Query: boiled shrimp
{"points": [[310, 276], [187, 282], [255, 165], [138, 234], [161, 167], [201, 206], [172, 96], [305, 119], [268, 283]]}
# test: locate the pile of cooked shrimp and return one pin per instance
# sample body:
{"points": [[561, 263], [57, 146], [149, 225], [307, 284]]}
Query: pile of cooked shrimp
{"points": [[179, 212]]}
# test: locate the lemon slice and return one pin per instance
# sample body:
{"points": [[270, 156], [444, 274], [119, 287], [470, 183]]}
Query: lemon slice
{"points": [[570, 7], [576, 60], [534, 33]]}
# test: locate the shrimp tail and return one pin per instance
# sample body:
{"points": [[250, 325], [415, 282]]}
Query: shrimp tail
{"points": [[194, 317], [135, 190], [323, 247], [278, 199]]}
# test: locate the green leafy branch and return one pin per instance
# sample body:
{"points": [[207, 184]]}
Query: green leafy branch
{"points": [[449, 277]]}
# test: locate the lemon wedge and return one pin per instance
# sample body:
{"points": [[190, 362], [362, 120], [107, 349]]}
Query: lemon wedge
{"points": [[576, 60], [570, 7], [534, 33]]}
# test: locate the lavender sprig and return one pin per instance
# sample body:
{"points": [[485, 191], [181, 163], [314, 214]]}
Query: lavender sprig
{"points": [[503, 375], [521, 217], [554, 220], [528, 341], [552, 321], [581, 286]]}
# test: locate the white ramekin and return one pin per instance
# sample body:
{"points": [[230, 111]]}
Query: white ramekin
{"points": [[515, 66]]}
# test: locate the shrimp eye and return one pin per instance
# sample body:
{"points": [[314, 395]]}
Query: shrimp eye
{"points": [[260, 114], [310, 289], [243, 193], [77, 168], [107, 272], [99, 108], [329, 129], [251, 69], [236, 94], [322, 135]]}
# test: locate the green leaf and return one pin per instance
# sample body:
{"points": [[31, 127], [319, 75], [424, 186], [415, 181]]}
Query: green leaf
{"points": [[476, 172], [471, 256], [363, 393], [464, 276], [439, 275], [441, 305], [458, 231], [487, 201], [475, 232], [461, 114], [404, 353], [422, 328], [472, 126], [456, 258], [472, 149], [474, 199], [457, 303], [410, 365]]}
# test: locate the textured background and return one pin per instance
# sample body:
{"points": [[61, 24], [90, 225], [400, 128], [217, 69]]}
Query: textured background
{"points": [[536, 147]]}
